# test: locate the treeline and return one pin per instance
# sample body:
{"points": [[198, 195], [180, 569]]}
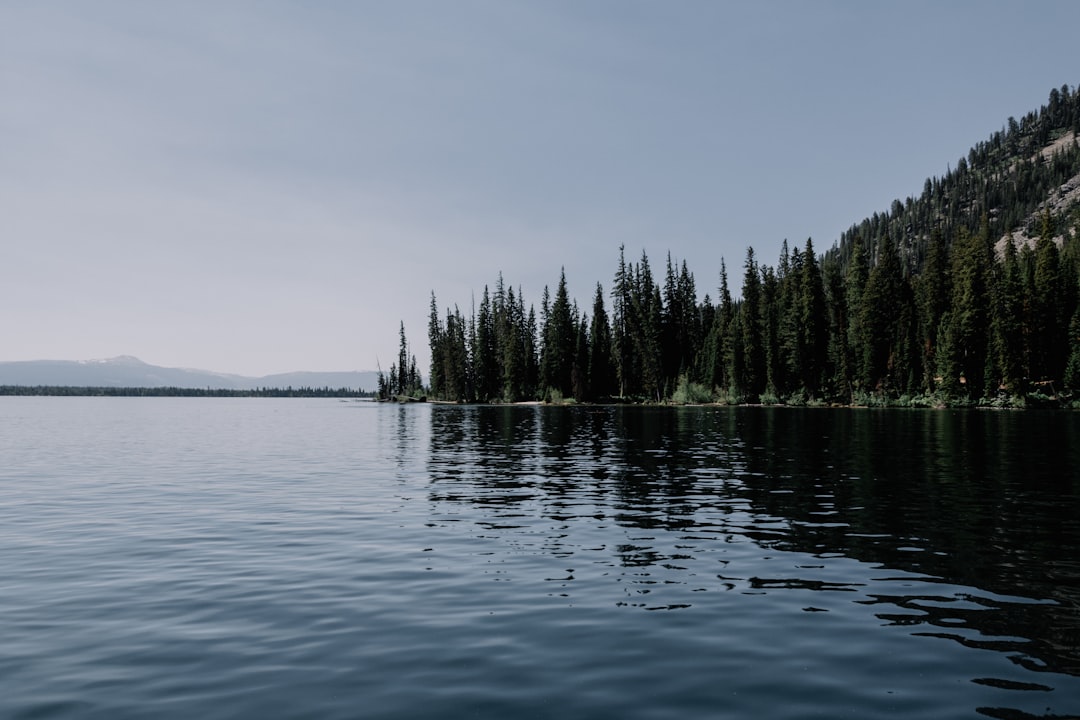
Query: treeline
{"points": [[403, 381], [90, 391], [974, 326], [925, 304]]}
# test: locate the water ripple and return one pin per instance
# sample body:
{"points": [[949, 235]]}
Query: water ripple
{"points": [[224, 558]]}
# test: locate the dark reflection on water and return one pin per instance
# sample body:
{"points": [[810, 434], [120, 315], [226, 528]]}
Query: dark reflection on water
{"points": [[234, 558], [963, 526]]}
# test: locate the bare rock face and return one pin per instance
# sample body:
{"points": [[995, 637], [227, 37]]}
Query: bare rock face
{"points": [[1060, 201]]}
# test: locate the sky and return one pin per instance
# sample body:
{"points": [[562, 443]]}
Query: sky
{"points": [[270, 186]]}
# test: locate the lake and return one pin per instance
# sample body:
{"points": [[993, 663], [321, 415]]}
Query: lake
{"points": [[299, 558]]}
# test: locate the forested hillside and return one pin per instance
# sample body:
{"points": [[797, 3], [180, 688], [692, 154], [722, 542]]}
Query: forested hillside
{"points": [[964, 294]]}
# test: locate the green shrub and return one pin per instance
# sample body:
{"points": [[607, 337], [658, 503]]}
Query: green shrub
{"points": [[690, 393]]}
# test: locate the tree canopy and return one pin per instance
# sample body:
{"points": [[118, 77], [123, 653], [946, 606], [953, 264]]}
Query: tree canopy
{"points": [[964, 294]]}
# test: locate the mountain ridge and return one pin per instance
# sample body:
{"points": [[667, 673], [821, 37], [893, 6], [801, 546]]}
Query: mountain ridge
{"points": [[130, 371]]}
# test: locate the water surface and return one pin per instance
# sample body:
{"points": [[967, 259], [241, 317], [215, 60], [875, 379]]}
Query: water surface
{"points": [[183, 557]]}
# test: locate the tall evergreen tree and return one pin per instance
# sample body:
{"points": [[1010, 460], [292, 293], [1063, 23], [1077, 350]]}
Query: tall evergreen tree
{"points": [[488, 375], [858, 273], [838, 367], [436, 378], [716, 355], [970, 303], [789, 333], [877, 319], [622, 345], [1072, 365], [512, 346], [752, 366], [601, 363], [402, 387], [1049, 312], [1007, 332], [579, 370], [560, 338], [644, 328], [773, 323], [933, 290], [531, 386], [813, 323]]}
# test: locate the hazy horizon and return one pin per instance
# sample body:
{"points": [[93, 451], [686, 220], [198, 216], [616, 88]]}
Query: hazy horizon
{"points": [[260, 188], [125, 357]]}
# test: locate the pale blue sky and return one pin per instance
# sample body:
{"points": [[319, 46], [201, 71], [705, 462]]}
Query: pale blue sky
{"points": [[259, 187]]}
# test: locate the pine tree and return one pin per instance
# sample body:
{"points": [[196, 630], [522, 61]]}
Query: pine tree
{"points": [[877, 319], [751, 380], [673, 333], [1072, 366], [622, 345], [455, 354], [933, 291], [601, 366], [970, 302], [511, 345], [488, 374], [838, 369], [1048, 309], [643, 333], [813, 328], [579, 372], [401, 387], [559, 342], [854, 286], [1007, 333], [531, 385], [437, 379], [789, 339], [715, 358], [772, 326]]}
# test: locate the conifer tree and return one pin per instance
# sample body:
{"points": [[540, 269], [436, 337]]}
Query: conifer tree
{"points": [[1007, 333], [1049, 316], [644, 369], [933, 292], [487, 372], [531, 385], [787, 371], [812, 323], [772, 325], [455, 356], [751, 365], [673, 333], [559, 342], [855, 285], [579, 371], [511, 346], [970, 302], [1072, 366], [436, 378], [691, 319], [877, 319], [622, 345], [838, 371], [716, 356], [401, 387], [601, 370]]}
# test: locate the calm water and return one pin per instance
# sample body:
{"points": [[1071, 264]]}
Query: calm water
{"points": [[179, 558]]}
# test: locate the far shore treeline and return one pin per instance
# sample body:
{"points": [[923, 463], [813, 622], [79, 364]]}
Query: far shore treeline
{"points": [[964, 295], [74, 390]]}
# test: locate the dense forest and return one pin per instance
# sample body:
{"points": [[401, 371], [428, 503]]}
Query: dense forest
{"points": [[966, 294]]}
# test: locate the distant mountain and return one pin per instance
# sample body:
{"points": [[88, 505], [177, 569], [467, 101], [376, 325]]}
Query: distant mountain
{"points": [[127, 371]]}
